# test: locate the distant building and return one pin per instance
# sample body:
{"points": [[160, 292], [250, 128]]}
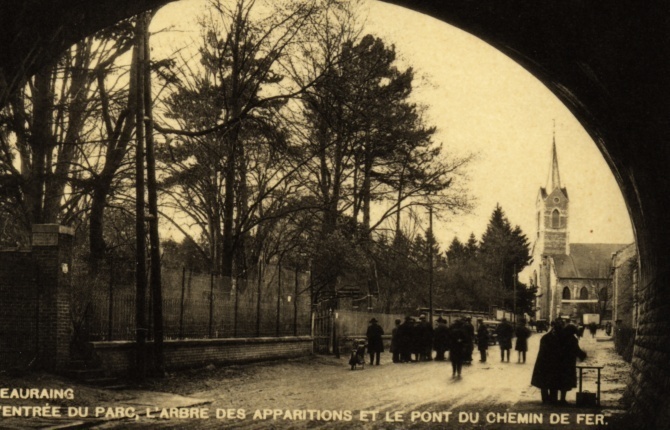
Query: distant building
{"points": [[572, 278], [625, 308]]}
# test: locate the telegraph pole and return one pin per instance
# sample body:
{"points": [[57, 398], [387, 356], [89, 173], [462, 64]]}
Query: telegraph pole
{"points": [[140, 238], [430, 265], [514, 298], [152, 194]]}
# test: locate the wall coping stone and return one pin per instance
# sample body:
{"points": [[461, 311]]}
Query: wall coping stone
{"points": [[176, 343], [52, 228]]}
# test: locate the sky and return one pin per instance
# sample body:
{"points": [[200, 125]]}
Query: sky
{"points": [[481, 102]]}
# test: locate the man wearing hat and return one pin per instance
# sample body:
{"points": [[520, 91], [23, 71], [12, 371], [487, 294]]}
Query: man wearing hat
{"points": [[441, 339], [425, 338], [405, 338], [375, 342], [395, 344], [470, 332]]}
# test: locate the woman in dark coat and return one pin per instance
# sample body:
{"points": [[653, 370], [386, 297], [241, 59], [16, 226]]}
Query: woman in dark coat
{"points": [[482, 340], [522, 335], [375, 342], [568, 360], [547, 371]]}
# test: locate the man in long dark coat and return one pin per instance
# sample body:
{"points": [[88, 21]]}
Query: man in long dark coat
{"points": [[457, 345], [547, 373], [404, 339], [522, 334], [395, 345], [505, 332], [441, 339], [482, 340], [375, 341], [568, 360], [469, 345], [426, 339]]}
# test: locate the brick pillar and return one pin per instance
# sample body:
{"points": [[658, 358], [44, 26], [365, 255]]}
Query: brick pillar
{"points": [[52, 255]]}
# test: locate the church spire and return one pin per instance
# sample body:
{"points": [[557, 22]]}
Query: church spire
{"points": [[555, 177]]}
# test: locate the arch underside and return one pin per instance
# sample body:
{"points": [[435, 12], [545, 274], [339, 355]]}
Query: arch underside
{"points": [[607, 62]]}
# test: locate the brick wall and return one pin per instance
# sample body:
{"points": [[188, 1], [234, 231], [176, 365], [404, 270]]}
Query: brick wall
{"points": [[118, 357], [35, 322], [18, 319], [648, 391]]}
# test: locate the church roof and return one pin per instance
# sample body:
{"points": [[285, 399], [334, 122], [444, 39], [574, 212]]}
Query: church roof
{"points": [[587, 260], [545, 194]]}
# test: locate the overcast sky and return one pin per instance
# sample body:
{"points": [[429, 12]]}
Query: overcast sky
{"points": [[483, 102]]}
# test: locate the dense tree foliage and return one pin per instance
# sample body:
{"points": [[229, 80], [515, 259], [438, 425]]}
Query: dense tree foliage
{"points": [[286, 137], [485, 273]]}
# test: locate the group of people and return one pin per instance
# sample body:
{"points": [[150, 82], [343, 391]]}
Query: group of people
{"points": [[555, 368], [414, 341], [554, 372]]}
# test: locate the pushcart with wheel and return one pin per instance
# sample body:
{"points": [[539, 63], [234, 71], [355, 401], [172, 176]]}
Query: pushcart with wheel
{"points": [[586, 398]]}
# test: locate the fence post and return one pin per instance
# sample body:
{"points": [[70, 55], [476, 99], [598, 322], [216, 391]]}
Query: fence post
{"points": [[181, 304], [211, 302], [110, 310], [237, 304], [258, 300], [295, 303], [278, 298]]}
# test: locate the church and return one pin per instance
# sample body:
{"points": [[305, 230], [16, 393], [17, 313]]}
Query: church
{"points": [[572, 279]]}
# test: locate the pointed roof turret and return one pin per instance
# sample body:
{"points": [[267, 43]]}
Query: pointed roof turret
{"points": [[554, 175]]}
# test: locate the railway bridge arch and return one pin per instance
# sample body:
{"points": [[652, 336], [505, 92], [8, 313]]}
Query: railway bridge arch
{"points": [[607, 62]]}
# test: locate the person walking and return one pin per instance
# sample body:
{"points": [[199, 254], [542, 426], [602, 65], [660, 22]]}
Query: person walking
{"points": [[482, 340], [457, 345], [505, 332], [395, 347], [375, 341], [441, 339], [547, 373], [593, 328], [522, 335]]}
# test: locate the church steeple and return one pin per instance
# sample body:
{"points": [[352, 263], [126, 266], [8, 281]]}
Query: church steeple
{"points": [[555, 177], [552, 212]]}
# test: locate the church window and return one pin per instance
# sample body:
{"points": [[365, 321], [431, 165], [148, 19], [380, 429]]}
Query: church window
{"points": [[555, 219], [556, 200], [566, 293], [584, 294]]}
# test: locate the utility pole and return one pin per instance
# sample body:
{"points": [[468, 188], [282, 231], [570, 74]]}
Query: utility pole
{"points": [[514, 298], [152, 194], [140, 238], [430, 265]]}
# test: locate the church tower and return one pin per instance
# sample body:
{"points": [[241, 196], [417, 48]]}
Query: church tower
{"points": [[552, 213]]}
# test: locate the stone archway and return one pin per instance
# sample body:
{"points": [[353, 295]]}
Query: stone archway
{"points": [[608, 63]]}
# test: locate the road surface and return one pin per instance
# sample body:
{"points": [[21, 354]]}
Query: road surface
{"points": [[321, 392]]}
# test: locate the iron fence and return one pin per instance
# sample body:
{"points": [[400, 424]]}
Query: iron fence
{"points": [[200, 306]]}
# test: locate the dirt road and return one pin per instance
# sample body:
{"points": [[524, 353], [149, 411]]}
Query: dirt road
{"points": [[322, 392]]}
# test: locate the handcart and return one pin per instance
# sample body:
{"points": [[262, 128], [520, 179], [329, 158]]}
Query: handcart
{"points": [[586, 398], [357, 357]]}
